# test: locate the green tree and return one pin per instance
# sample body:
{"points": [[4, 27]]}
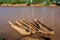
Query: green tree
{"points": [[14, 1], [57, 2], [22, 1], [17, 1], [1, 38], [8, 1], [47, 2], [37, 1], [1, 1], [28, 2], [4, 1]]}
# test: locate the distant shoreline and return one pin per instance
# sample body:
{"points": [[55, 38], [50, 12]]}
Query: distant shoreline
{"points": [[24, 5]]}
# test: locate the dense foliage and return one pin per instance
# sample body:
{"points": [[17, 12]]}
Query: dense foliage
{"points": [[1, 38], [37, 1], [12, 1], [45, 2]]}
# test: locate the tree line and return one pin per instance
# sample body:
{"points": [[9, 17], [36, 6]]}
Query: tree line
{"points": [[28, 1]]}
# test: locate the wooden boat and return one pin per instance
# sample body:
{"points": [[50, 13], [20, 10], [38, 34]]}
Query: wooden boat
{"points": [[19, 29], [33, 26], [44, 28], [29, 25], [25, 27]]}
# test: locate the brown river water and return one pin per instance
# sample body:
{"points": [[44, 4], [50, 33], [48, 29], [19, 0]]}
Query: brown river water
{"points": [[49, 16]]}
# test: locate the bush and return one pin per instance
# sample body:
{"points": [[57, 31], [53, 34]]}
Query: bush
{"points": [[57, 2], [28, 2], [37, 1], [1, 38], [22, 1], [12, 1], [17, 1], [46, 2], [1, 1], [5, 1]]}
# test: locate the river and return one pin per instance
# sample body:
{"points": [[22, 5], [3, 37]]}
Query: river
{"points": [[29, 13]]}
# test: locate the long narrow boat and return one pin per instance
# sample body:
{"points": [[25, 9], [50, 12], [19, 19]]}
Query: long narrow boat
{"points": [[34, 27], [19, 29], [44, 28], [29, 26], [25, 27], [21, 25]]}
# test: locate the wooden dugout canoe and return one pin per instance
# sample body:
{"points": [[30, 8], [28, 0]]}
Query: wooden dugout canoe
{"points": [[29, 26], [26, 28], [19, 29], [44, 28]]}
